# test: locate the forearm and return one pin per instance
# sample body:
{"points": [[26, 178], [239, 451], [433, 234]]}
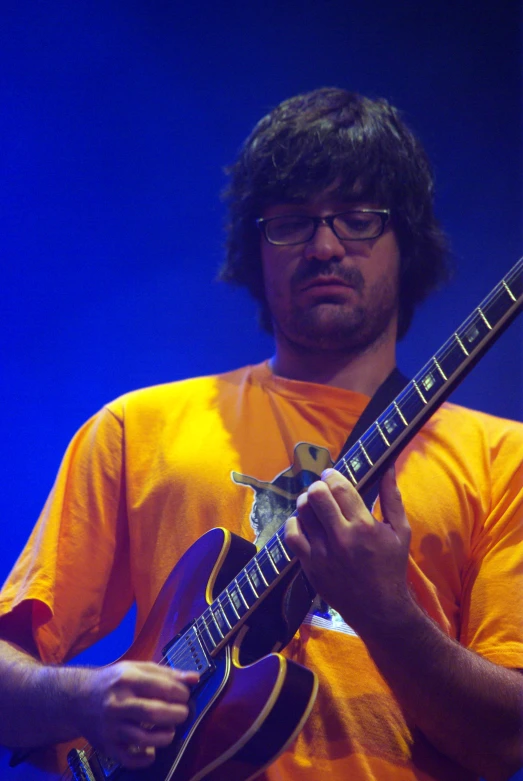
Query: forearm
{"points": [[468, 708], [127, 710], [42, 699]]}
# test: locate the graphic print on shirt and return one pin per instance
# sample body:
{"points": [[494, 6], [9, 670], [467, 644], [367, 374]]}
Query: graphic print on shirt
{"points": [[275, 501]]}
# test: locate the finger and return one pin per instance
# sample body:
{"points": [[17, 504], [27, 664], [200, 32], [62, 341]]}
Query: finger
{"points": [[311, 525], [295, 536], [347, 499], [136, 734], [136, 750], [156, 713], [150, 680], [337, 506], [134, 756], [392, 505], [189, 677], [327, 514]]}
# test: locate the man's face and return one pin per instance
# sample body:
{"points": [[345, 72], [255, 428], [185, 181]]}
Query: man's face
{"points": [[328, 294]]}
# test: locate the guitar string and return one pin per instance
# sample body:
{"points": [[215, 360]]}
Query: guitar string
{"points": [[410, 392], [208, 618], [372, 435], [263, 556], [170, 660]]}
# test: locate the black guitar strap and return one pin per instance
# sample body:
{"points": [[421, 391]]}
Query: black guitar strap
{"points": [[387, 392], [300, 595]]}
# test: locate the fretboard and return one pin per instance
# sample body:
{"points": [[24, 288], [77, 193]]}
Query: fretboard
{"points": [[366, 460]]}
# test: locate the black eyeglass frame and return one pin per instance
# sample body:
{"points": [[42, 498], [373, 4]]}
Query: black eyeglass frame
{"points": [[383, 214]]}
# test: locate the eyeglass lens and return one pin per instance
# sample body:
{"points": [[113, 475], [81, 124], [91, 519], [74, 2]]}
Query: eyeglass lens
{"points": [[349, 226]]}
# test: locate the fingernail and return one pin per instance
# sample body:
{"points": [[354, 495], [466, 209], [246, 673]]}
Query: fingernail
{"points": [[301, 500], [327, 473], [189, 675]]}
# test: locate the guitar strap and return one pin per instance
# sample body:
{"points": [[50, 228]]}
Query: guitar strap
{"points": [[300, 594], [387, 392]]}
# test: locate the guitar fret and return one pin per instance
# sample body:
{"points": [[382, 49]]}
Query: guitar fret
{"points": [[451, 357], [222, 608], [211, 643], [365, 452], [411, 403], [438, 367], [267, 566], [382, 434], [429, 381], [509, 291], [207, 638], [515, 279], [234, 600], [214, 630], [422, 397], [392, 423], [277, 556], [349, 472], [399, 413], [231, 602], [277, 571], [283, 548], [248, 592], [475, 329], [358, 464], [216, 622], [251, 583], [496, 305], [261, 573], [241, 593], [461, 344], [484, 319], [373, 444]]}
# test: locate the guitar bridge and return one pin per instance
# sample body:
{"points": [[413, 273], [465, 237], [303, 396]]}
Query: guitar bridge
{"points": [[82, 769], [79, 765]]}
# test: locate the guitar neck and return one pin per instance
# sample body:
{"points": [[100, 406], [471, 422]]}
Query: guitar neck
{"points": [[367, 459]]}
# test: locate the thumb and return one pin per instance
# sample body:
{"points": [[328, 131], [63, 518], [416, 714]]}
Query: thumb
{"points": [[392, 505]]}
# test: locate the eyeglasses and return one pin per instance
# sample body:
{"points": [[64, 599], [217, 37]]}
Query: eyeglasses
{"points": [[353, 225]]}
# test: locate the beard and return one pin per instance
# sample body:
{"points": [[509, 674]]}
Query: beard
{"points": [[344, 324]]}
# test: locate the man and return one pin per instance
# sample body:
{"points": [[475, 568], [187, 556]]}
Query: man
{"points": [[413, 640]]}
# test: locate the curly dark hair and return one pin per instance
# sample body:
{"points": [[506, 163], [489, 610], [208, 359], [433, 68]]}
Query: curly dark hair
{"points": [[314, 140]]}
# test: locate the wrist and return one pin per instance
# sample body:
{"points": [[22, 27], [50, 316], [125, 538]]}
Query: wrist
{"points": [[62, 689], [399, 618]]}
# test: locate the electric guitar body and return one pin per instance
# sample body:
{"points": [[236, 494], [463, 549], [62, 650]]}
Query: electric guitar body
{"points": [[245, 711], [226, 607]]}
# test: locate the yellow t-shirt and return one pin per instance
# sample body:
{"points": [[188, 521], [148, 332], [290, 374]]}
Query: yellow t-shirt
{"points": [[155, 469]]}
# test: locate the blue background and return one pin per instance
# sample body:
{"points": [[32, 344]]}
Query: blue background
{"points": [[117, 119]]}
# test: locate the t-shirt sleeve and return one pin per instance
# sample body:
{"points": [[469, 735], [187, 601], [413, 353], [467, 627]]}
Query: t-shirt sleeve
{"points": [[492, 607], [75, 570]]}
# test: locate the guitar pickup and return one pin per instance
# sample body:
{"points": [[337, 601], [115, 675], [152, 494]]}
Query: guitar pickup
{"points": [[187, 652]]}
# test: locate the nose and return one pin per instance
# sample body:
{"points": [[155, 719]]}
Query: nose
{"points": [[324, 245]]}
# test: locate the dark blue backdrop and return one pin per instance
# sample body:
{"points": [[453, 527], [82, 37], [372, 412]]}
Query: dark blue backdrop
{"points": [[117, 119]]}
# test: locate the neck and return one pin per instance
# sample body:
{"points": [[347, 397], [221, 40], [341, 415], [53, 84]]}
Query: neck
{"points": [[362, 372]]}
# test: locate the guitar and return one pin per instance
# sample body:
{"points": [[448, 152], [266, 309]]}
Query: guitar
{"points": [[226, 609]]}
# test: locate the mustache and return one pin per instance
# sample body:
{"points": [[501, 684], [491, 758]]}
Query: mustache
{"points": [[319, 269]]}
